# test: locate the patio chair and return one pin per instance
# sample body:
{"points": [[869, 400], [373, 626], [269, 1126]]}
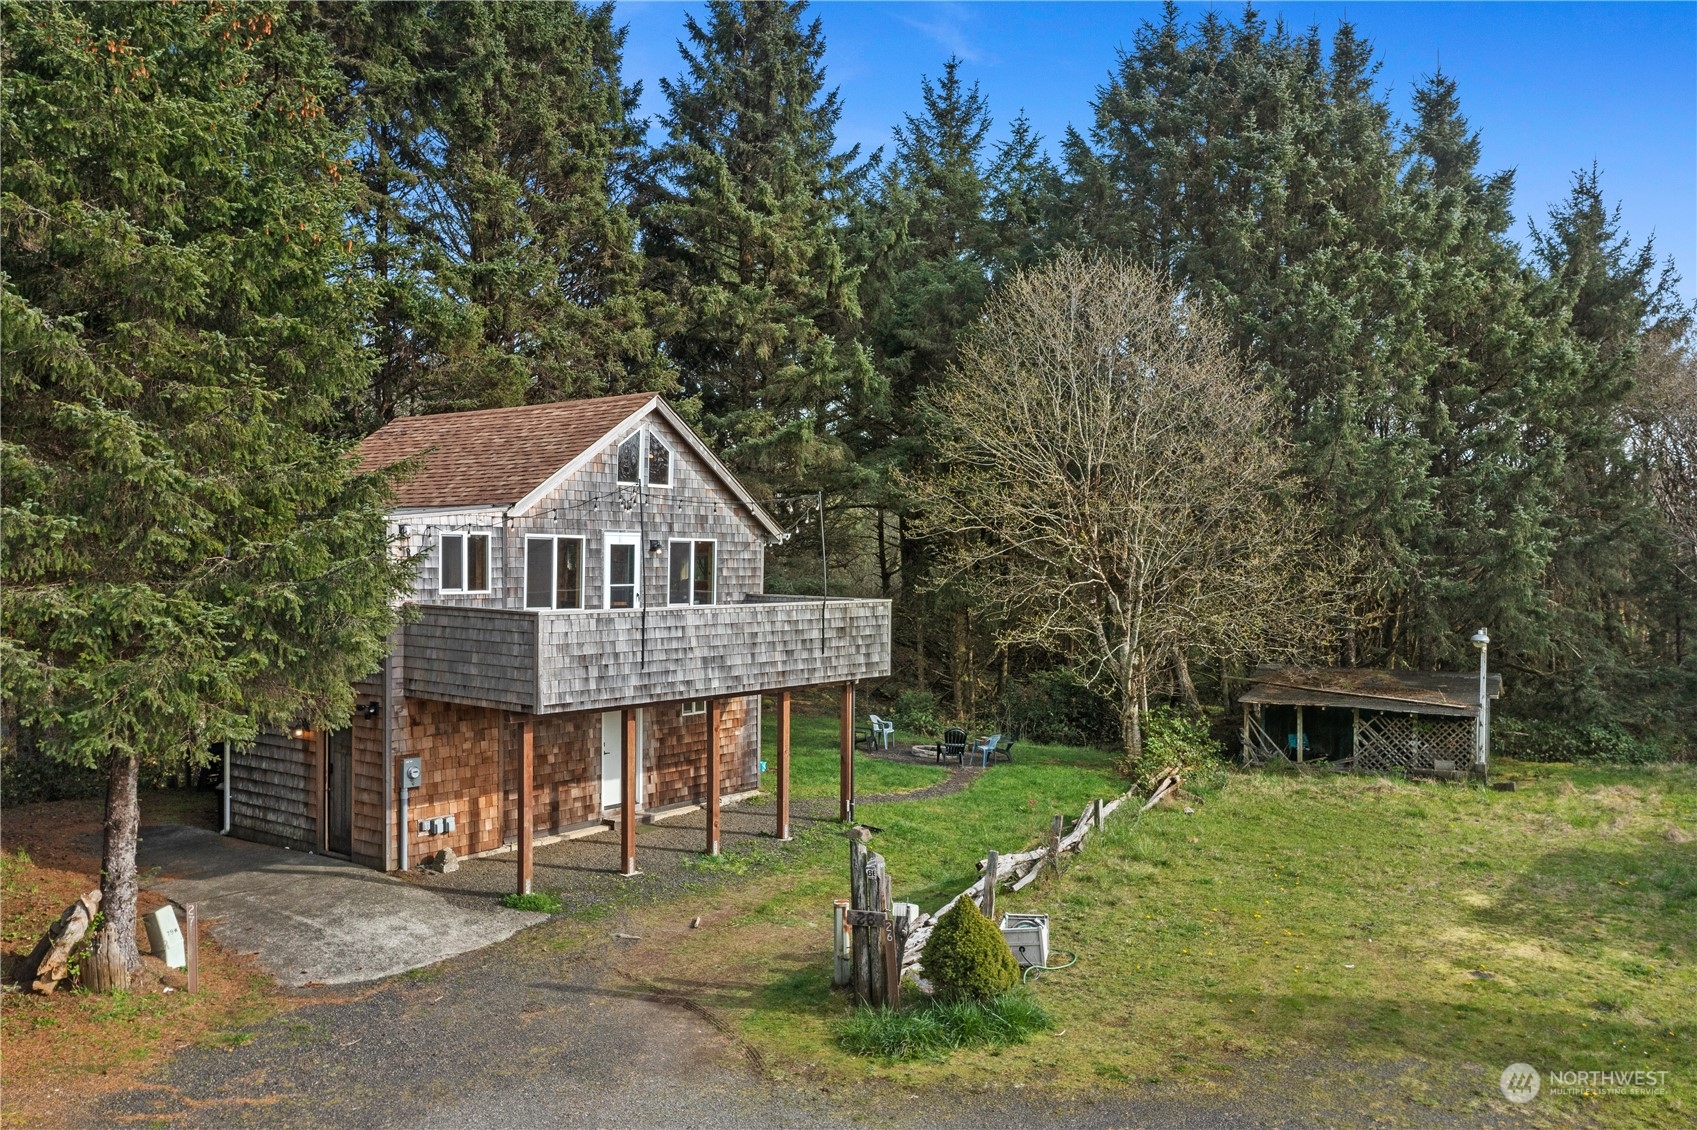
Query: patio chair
{"points": [[983, 749], [1004, 751], [953, 745], [882, 728]]}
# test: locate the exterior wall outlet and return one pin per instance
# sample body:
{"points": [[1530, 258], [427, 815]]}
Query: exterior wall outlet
{"points": [[424, 827]]}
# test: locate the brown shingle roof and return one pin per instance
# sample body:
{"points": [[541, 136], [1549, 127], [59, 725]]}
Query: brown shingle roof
{"points": [[495, 456], [1366, 688]]}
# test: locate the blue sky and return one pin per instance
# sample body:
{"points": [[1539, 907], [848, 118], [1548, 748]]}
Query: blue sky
{"points": [[1550, 87]]}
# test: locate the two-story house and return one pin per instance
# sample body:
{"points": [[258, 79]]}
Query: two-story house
{"points": [[589, 646]]}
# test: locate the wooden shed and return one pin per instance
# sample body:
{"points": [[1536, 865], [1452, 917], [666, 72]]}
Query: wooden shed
{"points": [[1431, 723]]}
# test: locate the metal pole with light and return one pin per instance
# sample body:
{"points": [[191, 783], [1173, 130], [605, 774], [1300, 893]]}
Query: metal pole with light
{"points": [[1481, 728]]}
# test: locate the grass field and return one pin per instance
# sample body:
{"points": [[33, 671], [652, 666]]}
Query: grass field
{"points": [[1419, 936]]}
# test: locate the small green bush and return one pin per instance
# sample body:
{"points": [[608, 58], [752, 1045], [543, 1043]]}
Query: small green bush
{"points": [[967, 958], [934, 1028], [539, 901], [918, 712], [1176, 740]]}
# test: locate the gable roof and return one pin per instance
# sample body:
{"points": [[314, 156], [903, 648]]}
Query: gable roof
{"points": [[1365, 688], [511, 457]]}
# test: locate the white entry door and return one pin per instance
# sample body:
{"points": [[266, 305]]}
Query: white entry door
{"points": [[612, 790]]}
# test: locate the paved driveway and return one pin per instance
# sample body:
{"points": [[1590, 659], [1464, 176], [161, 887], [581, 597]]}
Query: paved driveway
{"points": [[312, 919]]}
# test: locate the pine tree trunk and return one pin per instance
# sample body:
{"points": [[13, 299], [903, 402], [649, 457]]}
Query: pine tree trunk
{"points": [[114, 957], [957, 663]]}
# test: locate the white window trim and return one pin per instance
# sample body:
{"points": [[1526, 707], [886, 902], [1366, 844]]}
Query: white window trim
{"points": [[692, 543], [608, 541], [641, 459], [644, 435], [465, 536], [650, 436], [554, 586], [694, 708]]}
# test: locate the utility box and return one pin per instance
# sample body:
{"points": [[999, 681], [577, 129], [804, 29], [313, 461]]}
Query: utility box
{"points": [[1028, 936], [166, 937], [903, 915], [842, 970]]}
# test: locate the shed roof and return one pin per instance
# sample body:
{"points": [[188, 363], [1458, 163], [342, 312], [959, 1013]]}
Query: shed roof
{"points": [[1446, 693], [511, 456]]}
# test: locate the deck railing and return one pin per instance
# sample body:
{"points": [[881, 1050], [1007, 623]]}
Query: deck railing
{"points": [[548, 662]]}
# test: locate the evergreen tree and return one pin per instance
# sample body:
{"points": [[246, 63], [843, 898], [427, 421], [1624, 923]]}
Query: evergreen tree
{"points": [[1611, 563], [185, 560], [497, 160], [746, 237]]}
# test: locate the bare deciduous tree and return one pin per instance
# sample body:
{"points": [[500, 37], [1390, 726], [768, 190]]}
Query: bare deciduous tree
{"points": [[1663, 412], [1112, 485]]}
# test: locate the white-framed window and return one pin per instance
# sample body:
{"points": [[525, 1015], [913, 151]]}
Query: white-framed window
{"points": [[465, 562], [553, 571], [630, 458], [659, 462], [695, 708], [622, 570], [644, 458], [691, 577]]}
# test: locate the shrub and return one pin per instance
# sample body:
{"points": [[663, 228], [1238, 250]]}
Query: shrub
{"points": [[966, 956], [1175, 740], [918, 712], [1607, 743], [539, 901], [1059, 706], [933, 1029]]}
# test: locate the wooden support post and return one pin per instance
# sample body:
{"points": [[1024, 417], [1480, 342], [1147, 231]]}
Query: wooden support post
{"points": [[1248, 758], [1055, 830], [992, 866], [527, 802], [711, 800], [191, 946], [860, 956], [1354, 735], [783, 765], [1300, 739], [845, 771], [1096, 813], [627, 794]]}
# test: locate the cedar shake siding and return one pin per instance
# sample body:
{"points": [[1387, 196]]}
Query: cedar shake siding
{"points": [[468, 670]]}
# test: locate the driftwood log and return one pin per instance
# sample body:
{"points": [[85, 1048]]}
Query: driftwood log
{"points": [[1022, 868], [50, 962]]}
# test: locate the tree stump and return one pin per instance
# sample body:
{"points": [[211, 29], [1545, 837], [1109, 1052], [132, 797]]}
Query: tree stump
{"points": [[50, 961]]}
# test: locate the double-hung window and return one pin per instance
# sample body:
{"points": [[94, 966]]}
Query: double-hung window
{"points": [[553, 572], [691, 574], [465, 563]]}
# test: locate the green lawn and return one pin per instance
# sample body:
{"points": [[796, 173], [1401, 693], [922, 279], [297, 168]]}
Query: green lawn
{"points": [[1421, 935]]}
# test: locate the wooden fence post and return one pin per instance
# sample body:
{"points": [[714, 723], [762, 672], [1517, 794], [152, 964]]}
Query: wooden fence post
{"points": [[191, 946], [1055, 830], [859, 957], [991, 865], [877, 970], [1096, 813]]}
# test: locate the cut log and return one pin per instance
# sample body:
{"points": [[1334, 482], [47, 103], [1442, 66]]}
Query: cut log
{"points": [[49, 963]]}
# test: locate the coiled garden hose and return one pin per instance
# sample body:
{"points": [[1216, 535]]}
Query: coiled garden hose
{"points": [[1033, 971]]}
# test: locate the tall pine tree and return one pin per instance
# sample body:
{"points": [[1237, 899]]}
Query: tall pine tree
{"points": [[497, 160], [745, 236], [186, 558]]}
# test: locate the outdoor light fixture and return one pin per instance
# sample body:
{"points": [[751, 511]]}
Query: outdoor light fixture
{"points": [[372, 709], [1481, 726], [654, 546], [302, 732]]}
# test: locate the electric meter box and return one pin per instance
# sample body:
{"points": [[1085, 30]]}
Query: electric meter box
{"points": [[1028, 936]]}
